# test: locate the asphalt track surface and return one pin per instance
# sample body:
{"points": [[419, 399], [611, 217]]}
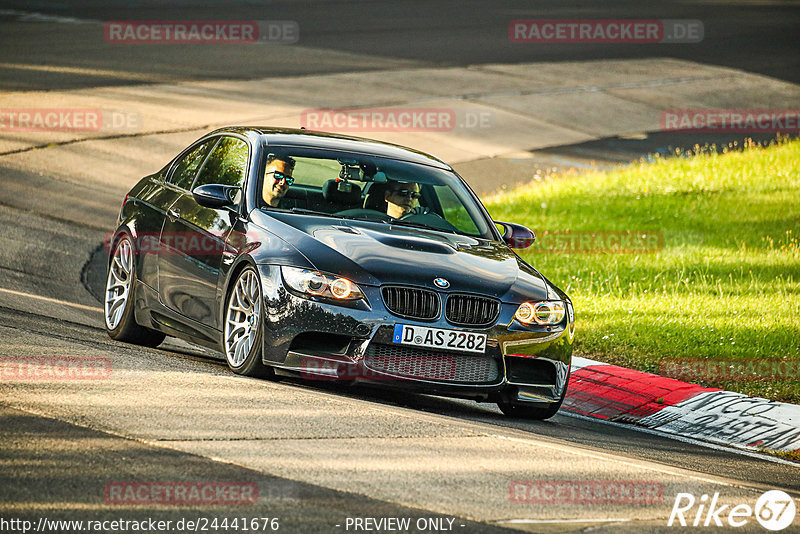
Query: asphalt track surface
{"points": [[176, 413], [347, 36]]}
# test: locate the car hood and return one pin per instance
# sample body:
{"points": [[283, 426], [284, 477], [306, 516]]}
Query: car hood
{"points": [[379, 253]]}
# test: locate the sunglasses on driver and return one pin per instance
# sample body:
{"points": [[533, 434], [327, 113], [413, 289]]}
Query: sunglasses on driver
{"points": [[278, 175], [407, 193]]}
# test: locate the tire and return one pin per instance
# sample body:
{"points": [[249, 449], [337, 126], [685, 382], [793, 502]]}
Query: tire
{"points": [[118, 299], [244, 325], [527, 411]]}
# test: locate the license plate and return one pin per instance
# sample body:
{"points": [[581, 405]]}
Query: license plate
{"points": [[439, 338]]}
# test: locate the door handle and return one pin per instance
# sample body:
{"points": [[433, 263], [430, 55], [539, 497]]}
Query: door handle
{"points": [[173, 214]]}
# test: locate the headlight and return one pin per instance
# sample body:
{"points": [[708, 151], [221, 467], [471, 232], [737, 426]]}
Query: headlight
{"points": [[546, 312], [320, 285]]}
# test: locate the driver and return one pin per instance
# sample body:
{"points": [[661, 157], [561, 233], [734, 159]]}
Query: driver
{"points": [[277, 178], [401, 198]]}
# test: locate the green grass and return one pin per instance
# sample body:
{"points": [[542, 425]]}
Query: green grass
{"points": [[723, 287]]}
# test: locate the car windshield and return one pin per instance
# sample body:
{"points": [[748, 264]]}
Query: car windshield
{"points": [[358, 187]]}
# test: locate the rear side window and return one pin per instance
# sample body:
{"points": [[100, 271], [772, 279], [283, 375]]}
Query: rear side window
{"points": [[184, 171], [227, 164]]}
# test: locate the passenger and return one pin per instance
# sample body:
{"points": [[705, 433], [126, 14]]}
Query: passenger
{"points": [[277, 178], [401, 198]]}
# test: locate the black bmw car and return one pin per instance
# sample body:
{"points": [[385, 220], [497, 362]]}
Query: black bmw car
{"points": [[329, 257]]}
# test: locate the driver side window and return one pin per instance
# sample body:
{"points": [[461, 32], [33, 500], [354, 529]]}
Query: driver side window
{"points": [[226, 165], [184, 171]]}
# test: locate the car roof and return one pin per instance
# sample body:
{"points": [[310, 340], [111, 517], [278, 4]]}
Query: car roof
{"points": [[290, 137]]}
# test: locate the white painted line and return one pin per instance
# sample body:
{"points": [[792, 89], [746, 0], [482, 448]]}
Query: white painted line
{"points": [[52, 300]]}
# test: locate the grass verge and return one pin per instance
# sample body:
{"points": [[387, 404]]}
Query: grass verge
{"points": [[710, 295]]}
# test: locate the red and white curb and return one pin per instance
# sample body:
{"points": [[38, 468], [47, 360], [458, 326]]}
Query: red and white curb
{"points": [[605, 391]]}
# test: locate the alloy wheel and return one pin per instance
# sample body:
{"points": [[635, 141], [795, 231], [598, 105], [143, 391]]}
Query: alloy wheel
{"points": [[118, 285], [242, 318]]}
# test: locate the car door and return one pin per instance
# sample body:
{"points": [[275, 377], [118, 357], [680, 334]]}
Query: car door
{"points": [[176, 180], [194, 237]]}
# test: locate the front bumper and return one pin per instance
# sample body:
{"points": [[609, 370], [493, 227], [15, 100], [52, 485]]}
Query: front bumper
{"points": [[325, 341]]}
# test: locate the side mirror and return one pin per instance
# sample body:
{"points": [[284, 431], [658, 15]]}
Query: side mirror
{"points": [[216, 195], [516, 235]]}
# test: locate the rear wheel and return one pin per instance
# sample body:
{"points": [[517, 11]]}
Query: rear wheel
{"points": [[243, 326], [118, 306]]}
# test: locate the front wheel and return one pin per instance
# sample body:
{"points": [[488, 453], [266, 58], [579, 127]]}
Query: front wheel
{"points": [[118, 303], [532, 411], [243, 326]]}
